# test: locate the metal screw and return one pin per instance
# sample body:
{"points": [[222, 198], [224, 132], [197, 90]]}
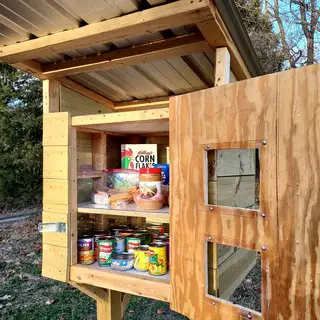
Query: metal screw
{"points": [[213, 303], [249, 316], [211, 208], [264, 248], [264, 142], [209, 238], [263, 215], [208, 147]]}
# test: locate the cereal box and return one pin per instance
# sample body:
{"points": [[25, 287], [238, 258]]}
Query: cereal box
{"points": [[137, 156]]}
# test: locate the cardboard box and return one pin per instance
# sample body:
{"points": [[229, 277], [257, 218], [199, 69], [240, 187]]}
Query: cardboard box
{"points": [[136, 156]]}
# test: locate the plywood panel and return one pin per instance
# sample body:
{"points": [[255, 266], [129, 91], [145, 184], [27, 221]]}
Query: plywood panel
{"points": [[77, 104], [299, 193], [247, 112], [55, 262]]}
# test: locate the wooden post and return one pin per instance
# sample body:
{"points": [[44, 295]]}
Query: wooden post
{"points": [[222, 76], [51, 96]]}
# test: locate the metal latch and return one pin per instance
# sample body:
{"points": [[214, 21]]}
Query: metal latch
{"points": [[52, 227]]}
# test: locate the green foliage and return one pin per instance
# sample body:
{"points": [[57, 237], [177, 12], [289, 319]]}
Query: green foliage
{"points": [[21, 136]]}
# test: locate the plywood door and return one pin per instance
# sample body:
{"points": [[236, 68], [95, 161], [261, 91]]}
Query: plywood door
{"points": [[240, 115]]}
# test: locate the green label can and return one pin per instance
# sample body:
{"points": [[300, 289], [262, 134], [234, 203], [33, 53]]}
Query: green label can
{"points": [[133, 242], [106, 248]]}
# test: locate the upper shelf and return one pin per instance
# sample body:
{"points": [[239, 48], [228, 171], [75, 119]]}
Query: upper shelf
{"points": [[136, 122]]}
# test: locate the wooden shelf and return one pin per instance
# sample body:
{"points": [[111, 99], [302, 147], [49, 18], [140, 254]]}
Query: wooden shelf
{"points": [[132, 281], [160, 216], [126, 122]]}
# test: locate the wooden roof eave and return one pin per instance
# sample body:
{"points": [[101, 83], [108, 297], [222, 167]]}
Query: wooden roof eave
{"points": [[214, 34]]}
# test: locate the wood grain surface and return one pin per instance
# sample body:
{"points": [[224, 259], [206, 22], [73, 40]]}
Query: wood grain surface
{"points": [[234, 114], [299, 193]]}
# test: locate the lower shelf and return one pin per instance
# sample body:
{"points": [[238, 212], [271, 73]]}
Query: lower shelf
{"points": [[132, 281]]}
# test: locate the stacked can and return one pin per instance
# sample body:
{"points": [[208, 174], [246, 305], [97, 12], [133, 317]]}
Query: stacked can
{"points": [[141, 258], [165, 239], [106, 248], [86, 249], [157, 259]]}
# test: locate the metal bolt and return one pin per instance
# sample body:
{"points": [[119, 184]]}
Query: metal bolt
{"points": [[211, 208], [249, 316], [264, 248], [209, 238], [263, 215], [264, 142]]}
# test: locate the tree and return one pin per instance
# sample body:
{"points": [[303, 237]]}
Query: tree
{"points": [[298, 25], [21, 136], [263, 38]]}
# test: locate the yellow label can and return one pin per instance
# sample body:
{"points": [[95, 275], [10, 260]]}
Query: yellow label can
{"points": [[157, 259], [141, 258]]}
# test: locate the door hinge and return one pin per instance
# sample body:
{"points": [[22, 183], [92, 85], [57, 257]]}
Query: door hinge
{"points": [[52, 227]]}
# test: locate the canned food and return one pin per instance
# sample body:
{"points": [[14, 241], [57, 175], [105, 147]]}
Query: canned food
{"points": [[116, 231], [122, 262], [97, 237], [133, 242], [106, 248], [119, 244], [157, 259], [141, 258], [145, 236], [127, 232], [166, 241], [86, 250], [156, 229]]}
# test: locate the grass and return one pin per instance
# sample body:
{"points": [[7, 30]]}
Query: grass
{"points": [[26, 295]]}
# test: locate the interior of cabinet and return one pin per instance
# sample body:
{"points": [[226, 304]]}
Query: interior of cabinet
{"points": [[101, 150]]}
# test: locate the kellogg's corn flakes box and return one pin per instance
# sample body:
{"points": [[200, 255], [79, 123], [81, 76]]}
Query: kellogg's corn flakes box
{"points": [[137, 156]]}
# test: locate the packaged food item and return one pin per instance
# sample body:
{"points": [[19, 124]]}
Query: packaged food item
{"points": [[122, 262], [85, 249], [155, 229], [127, 232], [133, 242], [165, 173], [166, 241], [137, 156], [157, 259], [119, 244], [123, 180], [100, 197], [141, 258], [145, 236], [150, 189], [106, 248], [97, 237]]}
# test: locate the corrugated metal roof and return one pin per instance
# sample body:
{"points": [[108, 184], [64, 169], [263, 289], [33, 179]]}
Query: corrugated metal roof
{"points": [[150, 80], [21, 20]]}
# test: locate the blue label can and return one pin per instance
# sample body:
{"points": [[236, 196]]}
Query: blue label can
{"points": [[119, 244]]}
